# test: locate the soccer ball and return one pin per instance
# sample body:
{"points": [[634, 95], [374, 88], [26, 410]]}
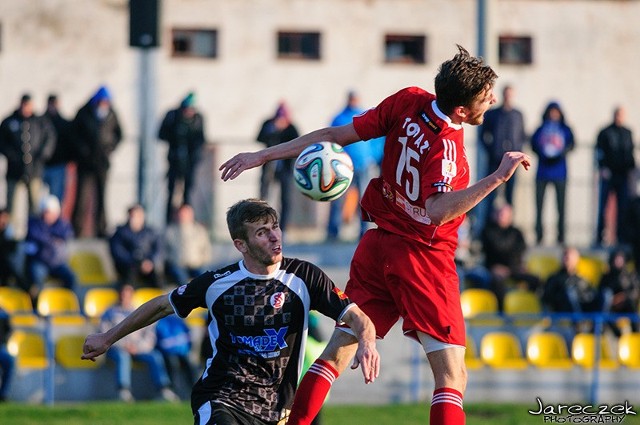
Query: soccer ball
{"points": [[323, 171]]}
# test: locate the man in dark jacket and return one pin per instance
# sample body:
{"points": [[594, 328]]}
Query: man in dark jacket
{"points": [[55, 169], [27, 141], [614, 153], [46, 247], [183, 129], [135, 249], [7, 361], [96, 132]]}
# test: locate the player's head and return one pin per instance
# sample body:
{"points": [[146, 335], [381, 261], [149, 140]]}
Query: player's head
{"points": [[465, 82], [248, 211]]}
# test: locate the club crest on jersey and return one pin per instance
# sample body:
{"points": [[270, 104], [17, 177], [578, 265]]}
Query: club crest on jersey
{"points": [[182, 289], [339, 293], [449, 168], [277, 300]]}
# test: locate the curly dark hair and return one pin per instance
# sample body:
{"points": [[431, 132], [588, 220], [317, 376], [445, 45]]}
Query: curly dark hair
{"points": [[461, 80], [248, 211]]}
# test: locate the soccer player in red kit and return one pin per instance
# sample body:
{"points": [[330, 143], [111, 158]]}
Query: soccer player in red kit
{"points": [[405, 267]]}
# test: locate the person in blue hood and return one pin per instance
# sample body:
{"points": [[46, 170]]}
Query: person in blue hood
{"points": [[551, 142], [96, 133]]}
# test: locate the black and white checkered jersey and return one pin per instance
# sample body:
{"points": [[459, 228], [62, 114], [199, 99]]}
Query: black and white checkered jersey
{"points": [[258, 327]]}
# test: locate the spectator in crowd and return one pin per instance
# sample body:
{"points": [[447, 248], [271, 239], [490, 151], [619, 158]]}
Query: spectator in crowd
{"points": [[46, 247], [56, 167], [183, 129], [27, 141], [614, 154], [502, 131], [139, 346], [551, 142], [174, 343], [632, 219], [9, 264], [96, 134], [135, 249], [620, 288], [504, 249], [567, 292], [188, 250], [274, 131], [363, 164], [7, 362]]}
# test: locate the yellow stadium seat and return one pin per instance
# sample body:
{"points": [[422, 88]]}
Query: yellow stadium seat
{"points": [[591, 269], [471, 358], [480, 307], [501, 350], [18, 304], [142, 295], [68, 350], [98, 300], [522, 307], [61, 306], [521, 302], [583, 349], [88, 268], [29, 349], [548, 350], [15, 300], [476, 301], [542, 265], [629, 350]]}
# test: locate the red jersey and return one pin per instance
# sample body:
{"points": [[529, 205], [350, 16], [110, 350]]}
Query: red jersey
{"points": [[423, 155]]}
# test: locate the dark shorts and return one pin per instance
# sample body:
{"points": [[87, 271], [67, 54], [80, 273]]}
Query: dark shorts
{"points": [[213, 413]]}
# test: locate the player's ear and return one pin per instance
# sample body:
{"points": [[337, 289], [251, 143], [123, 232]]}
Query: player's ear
{"points": [[240, 245], [461, 111]]}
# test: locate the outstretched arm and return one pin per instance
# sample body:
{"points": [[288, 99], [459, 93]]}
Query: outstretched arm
{"points": [[148, 313], [342, 135], [443, 207], [366, 356]]}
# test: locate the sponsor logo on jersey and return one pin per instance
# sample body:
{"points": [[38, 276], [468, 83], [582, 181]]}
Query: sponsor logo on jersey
{"points": [[271, 340], [449, 168], [277, 300], [432, 125], [182, 289], [339, 293], [219, 275], [443, 186]]}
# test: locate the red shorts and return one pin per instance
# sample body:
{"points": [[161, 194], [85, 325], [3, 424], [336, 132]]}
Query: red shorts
{"points": [[392, 277]]}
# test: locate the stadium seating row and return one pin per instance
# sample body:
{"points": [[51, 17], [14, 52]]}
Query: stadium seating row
{"points": [[62, 306], [548, 349]]}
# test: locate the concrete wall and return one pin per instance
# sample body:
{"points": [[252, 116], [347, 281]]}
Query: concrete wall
{"points": [[584, 55]]}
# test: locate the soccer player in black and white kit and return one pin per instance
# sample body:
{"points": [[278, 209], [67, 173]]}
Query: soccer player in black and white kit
{"points": [[258, 310]]}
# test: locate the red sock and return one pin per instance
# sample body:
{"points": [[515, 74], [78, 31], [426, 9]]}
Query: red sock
{"points": [[446, 407], [312, 392]]}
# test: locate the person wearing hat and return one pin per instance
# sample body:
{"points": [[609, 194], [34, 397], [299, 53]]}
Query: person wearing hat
{"points": [[96, 133], [46, 247], [183, 129], [551, 142]]}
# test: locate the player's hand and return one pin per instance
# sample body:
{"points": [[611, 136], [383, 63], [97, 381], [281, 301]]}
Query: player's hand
{"points": [[239, 163], [510, 162], [94, 345], [368, 359]]}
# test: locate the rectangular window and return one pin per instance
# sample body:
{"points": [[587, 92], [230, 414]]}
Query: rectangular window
{"points": [[405, 49], [299, 45], [196, 43], [514, 50]]}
